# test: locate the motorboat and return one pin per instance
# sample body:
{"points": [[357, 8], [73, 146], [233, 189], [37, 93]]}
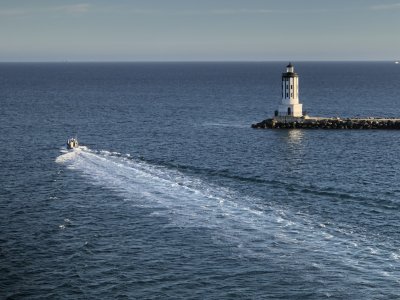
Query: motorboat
{"points": [[72, 143]]}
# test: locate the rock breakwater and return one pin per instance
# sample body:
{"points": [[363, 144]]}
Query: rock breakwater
{"points": [[328, 123]]}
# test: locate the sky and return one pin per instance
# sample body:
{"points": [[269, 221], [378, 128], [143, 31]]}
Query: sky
{"points": [[199, 30]]}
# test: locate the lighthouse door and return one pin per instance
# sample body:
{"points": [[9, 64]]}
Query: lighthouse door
{"points": [[289, 111]]}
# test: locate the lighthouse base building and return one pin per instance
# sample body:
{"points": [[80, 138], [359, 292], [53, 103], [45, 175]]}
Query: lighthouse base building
{"points": [[290, 110], [290, 105]]}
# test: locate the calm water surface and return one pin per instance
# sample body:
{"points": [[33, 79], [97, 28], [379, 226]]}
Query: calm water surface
{"points": [[174, 196]]}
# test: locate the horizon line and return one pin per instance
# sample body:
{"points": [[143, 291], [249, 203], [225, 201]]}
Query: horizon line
{"points": [[198, 61]]}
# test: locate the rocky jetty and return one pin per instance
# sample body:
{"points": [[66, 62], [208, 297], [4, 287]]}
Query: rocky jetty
{"points": [[328, 123]]}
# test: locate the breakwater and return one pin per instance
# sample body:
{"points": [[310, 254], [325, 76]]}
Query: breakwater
{"points": [[328, 123]]}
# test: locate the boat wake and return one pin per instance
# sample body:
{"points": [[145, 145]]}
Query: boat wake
{"points": [[226, 124], [253, 226]]}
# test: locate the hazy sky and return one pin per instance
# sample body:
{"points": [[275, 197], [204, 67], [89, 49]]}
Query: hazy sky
{"points": [[137, 30]]}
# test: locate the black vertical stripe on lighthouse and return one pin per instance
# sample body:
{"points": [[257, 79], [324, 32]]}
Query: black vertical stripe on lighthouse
{"points": [[284, 84]]}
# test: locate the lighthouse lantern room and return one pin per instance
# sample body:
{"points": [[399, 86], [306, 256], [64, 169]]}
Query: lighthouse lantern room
{"points": [[290, 106]]}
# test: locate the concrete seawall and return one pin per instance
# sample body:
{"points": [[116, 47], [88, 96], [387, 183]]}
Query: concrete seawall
{"points": [[328, 123]]}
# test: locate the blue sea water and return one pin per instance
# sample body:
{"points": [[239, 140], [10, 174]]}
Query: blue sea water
{"points": [[173, 196]]}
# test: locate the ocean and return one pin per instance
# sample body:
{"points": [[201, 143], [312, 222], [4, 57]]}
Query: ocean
{"points": [[172, 195]]}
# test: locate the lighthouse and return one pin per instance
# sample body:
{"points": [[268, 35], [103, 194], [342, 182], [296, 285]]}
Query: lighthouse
{"points": [[290, 106]]}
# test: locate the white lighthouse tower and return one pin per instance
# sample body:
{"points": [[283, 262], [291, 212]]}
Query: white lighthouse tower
{"points": [[290, 106]]}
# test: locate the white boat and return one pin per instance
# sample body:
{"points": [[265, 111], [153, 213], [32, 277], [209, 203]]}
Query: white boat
{"points": [[72, 143], [396, 62]]}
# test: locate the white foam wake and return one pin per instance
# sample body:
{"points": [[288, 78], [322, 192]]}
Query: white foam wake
{"points": [[226, 124], [190, 201], [254, 226]]}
